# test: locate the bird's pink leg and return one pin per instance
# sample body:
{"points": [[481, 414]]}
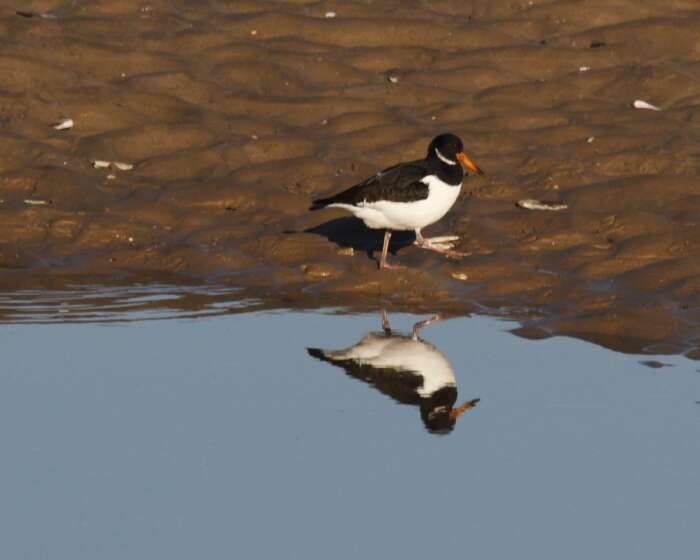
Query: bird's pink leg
{"points": [[385, 249], [386, 327], [415, 333]]}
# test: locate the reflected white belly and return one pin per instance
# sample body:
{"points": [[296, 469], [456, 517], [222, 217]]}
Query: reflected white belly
{"points": [[407, 215], [402, 354]]}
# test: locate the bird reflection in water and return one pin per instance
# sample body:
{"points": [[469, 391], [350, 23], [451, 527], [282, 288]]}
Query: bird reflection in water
{"points": [[408, 369]]}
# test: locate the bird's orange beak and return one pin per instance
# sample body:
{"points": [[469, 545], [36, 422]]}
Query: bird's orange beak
{"points": [[457, 412], [469, 164]]}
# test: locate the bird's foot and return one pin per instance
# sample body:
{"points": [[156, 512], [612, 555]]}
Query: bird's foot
{"points": [[437, 243], [443, 245], [391, 266]]}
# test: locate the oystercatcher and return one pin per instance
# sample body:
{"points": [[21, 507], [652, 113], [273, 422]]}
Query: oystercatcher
{"points": [[410, 196], [408, 369]]}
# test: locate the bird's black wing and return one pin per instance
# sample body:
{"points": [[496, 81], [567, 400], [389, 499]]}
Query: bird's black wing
{"points": [[400, 385], [400, 183]]}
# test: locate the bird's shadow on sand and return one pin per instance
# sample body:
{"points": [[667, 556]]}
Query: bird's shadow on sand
{"points": [[351, 232]]}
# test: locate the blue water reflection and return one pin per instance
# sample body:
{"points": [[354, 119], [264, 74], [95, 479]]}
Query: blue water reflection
{"points": [[221, 437], [408, 369]]}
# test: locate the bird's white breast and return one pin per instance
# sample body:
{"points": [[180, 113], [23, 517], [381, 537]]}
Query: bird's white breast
{"points": [[423, 359], [385, 214], [402, 354]]}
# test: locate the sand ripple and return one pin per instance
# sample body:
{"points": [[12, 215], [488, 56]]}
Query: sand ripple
{"points": [[235, 114]]}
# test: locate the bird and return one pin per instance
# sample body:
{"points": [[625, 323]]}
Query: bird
{"points": [[410, 196], [406, 368]]}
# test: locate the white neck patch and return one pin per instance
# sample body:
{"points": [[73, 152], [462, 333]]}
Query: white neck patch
{"points": [[443, 158]]}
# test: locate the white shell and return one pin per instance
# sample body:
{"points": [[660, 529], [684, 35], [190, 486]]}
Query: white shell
{"points": [[640, 104], [532, 204], [104, 164], [64, 124]]}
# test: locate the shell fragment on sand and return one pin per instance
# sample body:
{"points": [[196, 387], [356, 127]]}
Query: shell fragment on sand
{"points": [[30, 14], [640, 104], [104, 164], [63, 124], [393, 75], [533, 204]]}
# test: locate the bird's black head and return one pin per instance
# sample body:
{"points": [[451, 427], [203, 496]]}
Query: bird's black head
{"points": [[435, 410], [439, 413], [446, 145], [438, 421], [448, 150]]}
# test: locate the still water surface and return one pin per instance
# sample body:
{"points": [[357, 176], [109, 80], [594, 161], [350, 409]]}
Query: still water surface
{"points": [[244, 436]]}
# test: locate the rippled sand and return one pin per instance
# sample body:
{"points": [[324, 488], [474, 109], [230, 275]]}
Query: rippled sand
{"points": [[236, 114]]}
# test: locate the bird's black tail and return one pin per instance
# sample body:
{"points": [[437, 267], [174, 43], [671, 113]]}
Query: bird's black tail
{"points": [[317, 353], [319, 203]]}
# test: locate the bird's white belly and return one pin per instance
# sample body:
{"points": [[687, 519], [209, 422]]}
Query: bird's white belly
{"points": [[405, 354], [420, 357], [384, 214]]}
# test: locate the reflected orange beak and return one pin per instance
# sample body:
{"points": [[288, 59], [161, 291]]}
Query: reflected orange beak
{"points": [[457, 412], [469, 164]]}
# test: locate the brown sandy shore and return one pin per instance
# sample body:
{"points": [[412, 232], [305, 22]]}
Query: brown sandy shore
{"points": [[236, 113]]}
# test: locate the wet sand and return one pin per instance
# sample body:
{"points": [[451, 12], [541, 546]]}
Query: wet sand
{"points": [[236, 114]]}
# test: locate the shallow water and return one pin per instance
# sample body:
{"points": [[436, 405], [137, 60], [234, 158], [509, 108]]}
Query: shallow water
{"points": [[217, 435]]}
